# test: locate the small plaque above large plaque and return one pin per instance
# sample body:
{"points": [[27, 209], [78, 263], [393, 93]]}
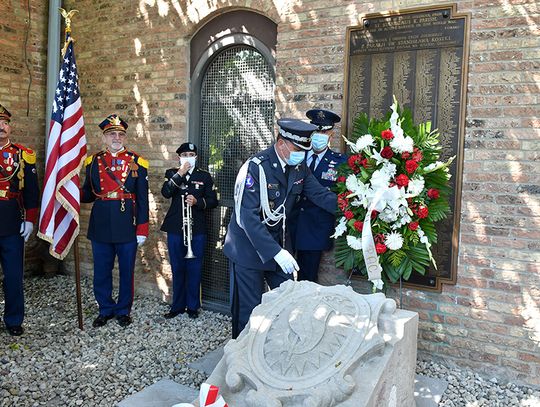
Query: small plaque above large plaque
{"points": [[420, 56]]}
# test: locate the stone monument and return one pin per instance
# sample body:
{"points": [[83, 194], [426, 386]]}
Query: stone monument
{"points": [[312, 346]]}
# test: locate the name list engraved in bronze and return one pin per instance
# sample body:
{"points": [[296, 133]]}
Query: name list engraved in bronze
{"points": [[420, 56]]}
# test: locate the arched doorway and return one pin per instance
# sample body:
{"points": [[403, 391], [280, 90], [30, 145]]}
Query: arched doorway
{"points": [[232, 118]]}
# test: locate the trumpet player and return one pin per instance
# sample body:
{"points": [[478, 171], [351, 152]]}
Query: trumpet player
{"points": [[192, 192]]}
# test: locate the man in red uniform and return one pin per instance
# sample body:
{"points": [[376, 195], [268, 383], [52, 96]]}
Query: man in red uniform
{"points": [[117, 182], [19, 199]]}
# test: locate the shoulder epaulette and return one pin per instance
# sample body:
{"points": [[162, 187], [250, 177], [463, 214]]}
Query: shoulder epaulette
{"points": [[141, 161], [88, 160], [28, 154]]}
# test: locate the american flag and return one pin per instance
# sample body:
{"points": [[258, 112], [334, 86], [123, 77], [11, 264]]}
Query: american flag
{"points": [[66, 152]]}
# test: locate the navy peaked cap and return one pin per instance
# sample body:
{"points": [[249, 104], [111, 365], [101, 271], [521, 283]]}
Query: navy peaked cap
{"points": [[323, 119], [186, 147], [297, 131], [4, 114], [113, 123]]}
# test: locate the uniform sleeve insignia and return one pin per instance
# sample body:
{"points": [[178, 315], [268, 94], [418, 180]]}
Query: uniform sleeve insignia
{"points": [[142, 162], [249, 181], [29, 156]]}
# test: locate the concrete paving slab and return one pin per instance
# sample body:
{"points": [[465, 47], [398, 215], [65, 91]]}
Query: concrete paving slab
{"points": [[208, 362], [428, 391], [164, 393]]}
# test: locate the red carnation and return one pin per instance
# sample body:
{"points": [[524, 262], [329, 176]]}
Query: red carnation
{"points": [[433, 193], [417, 155], [387, 153], [413, 225], [387, 134], [402, 180], [374, 214], [422, 212], [349, 215], [341, 178], [359, 225], [380, 248], [411, 166], [357, 161], [406, 155]]}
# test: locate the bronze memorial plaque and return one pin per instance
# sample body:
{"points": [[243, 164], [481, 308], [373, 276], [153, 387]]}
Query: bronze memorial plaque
{"points": [[420, 56]]}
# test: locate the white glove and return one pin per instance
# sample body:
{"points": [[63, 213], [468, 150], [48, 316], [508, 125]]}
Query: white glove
{"points": [[286, 261], [140, 240], [26, 230]]}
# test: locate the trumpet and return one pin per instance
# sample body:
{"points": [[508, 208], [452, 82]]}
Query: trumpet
{"points": [[187, 224]]}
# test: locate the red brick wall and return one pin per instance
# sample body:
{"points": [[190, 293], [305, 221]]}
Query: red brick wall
{"points": [[23, 69], [23, 79], [133, 60]]}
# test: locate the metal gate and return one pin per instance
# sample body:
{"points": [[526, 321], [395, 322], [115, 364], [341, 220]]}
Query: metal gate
{"points": [[236, 121]]}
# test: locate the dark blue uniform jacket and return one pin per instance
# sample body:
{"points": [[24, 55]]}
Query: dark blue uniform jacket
{"points": [[254, 245], [201, 186], [311, 226]]}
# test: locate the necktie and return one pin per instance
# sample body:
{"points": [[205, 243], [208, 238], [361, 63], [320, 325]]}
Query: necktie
{"points": [[313, 162]]}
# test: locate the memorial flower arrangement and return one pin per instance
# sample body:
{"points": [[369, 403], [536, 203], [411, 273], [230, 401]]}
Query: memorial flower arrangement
{"points": [[391, 193]]}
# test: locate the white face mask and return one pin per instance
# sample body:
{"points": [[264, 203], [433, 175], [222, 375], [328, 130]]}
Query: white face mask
{"points": [[190, 160]]}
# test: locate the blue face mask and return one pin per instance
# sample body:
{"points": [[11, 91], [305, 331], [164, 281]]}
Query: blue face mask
{"points": [[295, 157], [319, 141]]}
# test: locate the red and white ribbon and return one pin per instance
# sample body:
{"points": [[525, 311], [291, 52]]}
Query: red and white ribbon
{"points": [[208, 397]]}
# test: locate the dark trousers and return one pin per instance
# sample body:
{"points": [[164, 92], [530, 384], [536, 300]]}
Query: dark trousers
{"points": [[246, 289], [104, 255], [186, 273], [11, 258], [308, 261]]}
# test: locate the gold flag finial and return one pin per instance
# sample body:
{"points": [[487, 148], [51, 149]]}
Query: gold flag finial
{"points": [[67, 17]]}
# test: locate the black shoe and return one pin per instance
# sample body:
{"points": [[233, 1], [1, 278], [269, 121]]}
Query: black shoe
{"points": [[101, 320], [172, 314], [192, 314], [16, 330], [124, 320]]}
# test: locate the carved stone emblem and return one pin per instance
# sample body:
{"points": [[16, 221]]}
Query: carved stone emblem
{"points": [[302, 342]]}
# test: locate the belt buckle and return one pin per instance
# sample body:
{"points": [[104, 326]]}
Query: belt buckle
{"points": [[112, 195], [3, 193]]}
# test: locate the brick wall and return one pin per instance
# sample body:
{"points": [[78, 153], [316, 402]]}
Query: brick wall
{"points": [[23, 79], [133, 59]]}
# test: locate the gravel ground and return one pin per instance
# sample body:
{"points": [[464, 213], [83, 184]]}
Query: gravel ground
{"points": [[56, 364]]}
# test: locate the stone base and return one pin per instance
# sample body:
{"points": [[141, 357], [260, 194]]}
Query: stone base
{"points": [[379, 374]]}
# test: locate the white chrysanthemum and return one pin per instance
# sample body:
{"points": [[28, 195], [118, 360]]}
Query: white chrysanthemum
{"points": [[415, 187], [394, 241], [379, 179], [389, 168], [354, 243], [340, 228], [401, 144], [388, 215], [365, 141]]}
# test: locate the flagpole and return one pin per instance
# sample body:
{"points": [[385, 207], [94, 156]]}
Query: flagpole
{"points": [[78, 283], [67, 19]]}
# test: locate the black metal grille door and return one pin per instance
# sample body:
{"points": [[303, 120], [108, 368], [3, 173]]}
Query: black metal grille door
{"points": [[237, 121]]}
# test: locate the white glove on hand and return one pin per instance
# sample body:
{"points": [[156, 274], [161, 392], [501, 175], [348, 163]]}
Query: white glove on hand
{"points": [[26, 230], [140, 240], [286, 261]]}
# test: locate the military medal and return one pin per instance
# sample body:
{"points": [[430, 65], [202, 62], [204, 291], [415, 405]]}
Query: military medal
{"points": [[9, 168]]}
